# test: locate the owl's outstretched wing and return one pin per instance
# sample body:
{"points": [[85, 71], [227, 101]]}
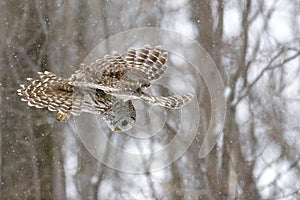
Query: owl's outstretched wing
{"points": [[146, 64], [59, 94], [115, 74], [172, 102], [49, 91]]}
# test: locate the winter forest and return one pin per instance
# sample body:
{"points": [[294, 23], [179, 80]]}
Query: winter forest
{"points": [[238, 138]]}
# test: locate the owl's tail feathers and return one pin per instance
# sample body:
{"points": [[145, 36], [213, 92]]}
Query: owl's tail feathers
{"points": [[49, 91], [173, 102]]}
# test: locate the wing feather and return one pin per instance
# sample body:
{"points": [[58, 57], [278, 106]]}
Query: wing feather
{"points": [[172, 102], [148, 64]]}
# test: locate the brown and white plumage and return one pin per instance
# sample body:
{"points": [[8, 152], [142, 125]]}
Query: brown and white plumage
{"points": [[58, 94], [104, 87]]}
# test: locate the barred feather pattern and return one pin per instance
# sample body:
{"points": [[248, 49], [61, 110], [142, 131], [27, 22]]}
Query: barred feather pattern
{"points": [[115, 73], [58, 94], [104, 87], [172, 102]]}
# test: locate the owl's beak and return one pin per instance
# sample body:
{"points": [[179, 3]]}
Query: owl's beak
{"points": [[117, 130]]}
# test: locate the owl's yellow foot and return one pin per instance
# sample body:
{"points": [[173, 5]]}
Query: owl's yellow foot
{"points": [[62, 116], [117, 130]]}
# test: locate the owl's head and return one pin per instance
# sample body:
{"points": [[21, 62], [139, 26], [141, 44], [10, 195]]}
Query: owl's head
{"points": [[124, 124], [121, 117]]}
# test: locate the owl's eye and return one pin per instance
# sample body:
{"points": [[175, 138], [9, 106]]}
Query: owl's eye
{"points": [[124, 123]]}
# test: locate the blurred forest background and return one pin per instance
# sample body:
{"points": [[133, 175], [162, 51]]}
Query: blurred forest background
{"points": [[256, 47]]}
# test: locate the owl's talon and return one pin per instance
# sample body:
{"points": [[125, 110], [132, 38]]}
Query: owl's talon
{"points": [[117, 130], [62, 117]]}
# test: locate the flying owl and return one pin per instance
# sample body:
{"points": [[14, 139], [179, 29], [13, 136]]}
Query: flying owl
{"points": [[104, 87]]}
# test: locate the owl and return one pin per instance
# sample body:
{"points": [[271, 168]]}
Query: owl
{"points": [[105, 87]]}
